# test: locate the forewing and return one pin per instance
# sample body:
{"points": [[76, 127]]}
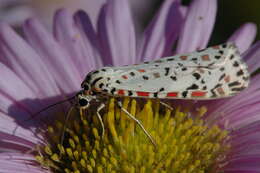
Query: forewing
{"points": [[200, 75]]}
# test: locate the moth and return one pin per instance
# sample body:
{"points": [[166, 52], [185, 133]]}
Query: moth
{"points": [[211, 73]]}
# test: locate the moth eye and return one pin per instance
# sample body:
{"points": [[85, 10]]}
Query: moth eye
{"points": [[83, 102]]}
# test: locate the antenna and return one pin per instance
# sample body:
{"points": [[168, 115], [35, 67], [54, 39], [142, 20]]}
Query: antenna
{"points": [[46, 108]]}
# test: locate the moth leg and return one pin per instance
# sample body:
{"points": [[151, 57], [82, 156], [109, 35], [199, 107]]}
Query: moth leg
{"points": [[166, 105], [137, 121], [101, 106]]}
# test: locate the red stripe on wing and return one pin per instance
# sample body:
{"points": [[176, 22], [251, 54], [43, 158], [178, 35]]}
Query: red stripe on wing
{"points": [[198, 94], [142, 94], [121, 92], [172, 94]]}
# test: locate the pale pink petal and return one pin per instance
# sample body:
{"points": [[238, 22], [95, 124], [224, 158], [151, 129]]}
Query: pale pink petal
{"points": [[11, 130], [245, 151], [89, 37], [198, 26], [26, 63], [12, 100], [244, 36], [117, 35], [19, 162], [69, 37], [159, 37], [58, 62], [252, 57]]}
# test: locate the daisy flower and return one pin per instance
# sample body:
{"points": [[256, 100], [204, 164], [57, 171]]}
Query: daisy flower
{"points": [[42, 68]]}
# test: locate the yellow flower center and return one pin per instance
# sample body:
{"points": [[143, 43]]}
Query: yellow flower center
{"points": [[184, 142]]}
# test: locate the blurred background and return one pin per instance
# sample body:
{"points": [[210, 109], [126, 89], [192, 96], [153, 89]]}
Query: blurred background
{"points": [[231, 14]]}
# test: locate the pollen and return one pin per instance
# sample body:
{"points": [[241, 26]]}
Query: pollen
{"points": [[184, 141]]}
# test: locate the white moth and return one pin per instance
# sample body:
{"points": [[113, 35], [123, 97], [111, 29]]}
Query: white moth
{"points": [[215, 72], [212, 73]]}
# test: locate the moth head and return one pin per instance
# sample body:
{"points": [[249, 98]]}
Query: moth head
{"points": [[86, 87], [83, 100]]}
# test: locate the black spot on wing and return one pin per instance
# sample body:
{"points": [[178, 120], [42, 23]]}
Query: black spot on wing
{"points": [[221, 52], [173, 78], [145, 77], [196, 75], [232, 56], [213, 93], [132, 73], [222, 77], [161, 89], [167, 69], [193, 87], [236, 64], [217, 57], [113, 91], [170, 59], [240, 72], [130, 93], [234, 84], [212, 90], [184, 69], [238, 89], [180, 64], [218, 85], [184, 94]]}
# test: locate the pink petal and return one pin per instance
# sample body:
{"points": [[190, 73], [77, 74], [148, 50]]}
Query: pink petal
{"points": [[89, 37], [69, 37], [252, 57], [159, 37], [117, 35], [198, 26], [18, 162], [14, 132], [244, 36], [245, 151], [24, 61], [58, 62], [12, 100]]}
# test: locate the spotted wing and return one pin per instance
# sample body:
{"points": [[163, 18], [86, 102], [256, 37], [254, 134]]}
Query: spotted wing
{"points": [[215, 72]]}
